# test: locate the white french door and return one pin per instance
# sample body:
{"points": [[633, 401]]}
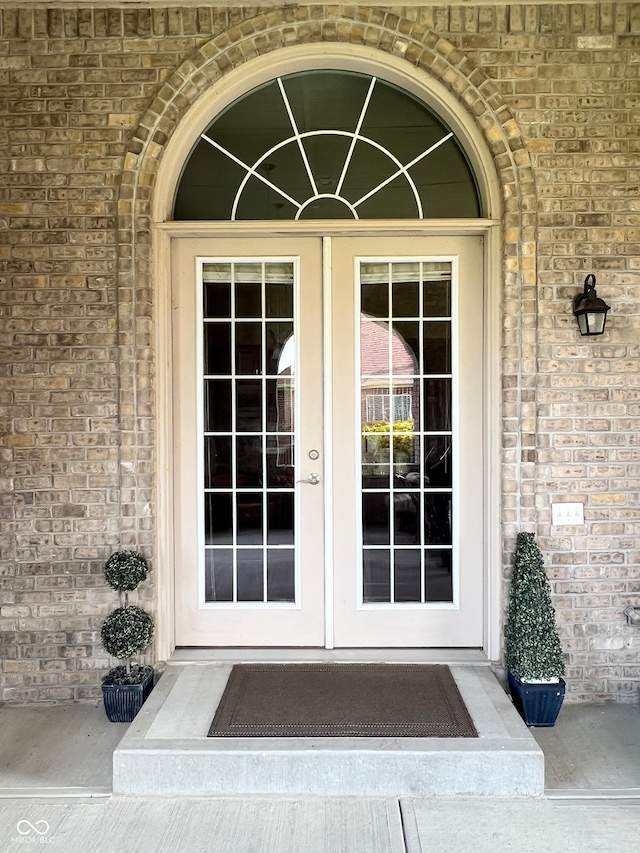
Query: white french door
{"points": [[328, 417]]}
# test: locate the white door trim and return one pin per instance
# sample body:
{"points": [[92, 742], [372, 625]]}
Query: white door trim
{"points": [[327, 279]]}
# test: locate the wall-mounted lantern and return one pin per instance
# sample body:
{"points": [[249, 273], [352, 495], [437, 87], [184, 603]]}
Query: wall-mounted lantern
{"points": [[590, 311]]}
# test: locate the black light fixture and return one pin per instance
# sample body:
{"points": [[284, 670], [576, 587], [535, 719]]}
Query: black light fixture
{"points": [[590, 311]]}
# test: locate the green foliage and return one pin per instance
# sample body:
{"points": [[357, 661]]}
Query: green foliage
{"points": [[127, 631], [532, 645], [137, 674], [125, 570], [403, 435]]}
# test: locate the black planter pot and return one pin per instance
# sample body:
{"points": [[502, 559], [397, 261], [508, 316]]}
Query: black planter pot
{"points": [[123, 701], [537, 704]]}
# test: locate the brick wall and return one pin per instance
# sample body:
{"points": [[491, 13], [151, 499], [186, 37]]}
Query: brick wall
{"points": [[76, 325]]}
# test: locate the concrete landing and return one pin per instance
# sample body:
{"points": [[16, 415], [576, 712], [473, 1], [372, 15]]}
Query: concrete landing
{"points": [[166, 751]]}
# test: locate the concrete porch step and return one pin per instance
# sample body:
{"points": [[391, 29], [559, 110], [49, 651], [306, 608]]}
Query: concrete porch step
{"points": [[166, 750]]}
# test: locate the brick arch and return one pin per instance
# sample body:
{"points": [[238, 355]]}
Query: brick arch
{"points": [[421, 48], [281, 28]]}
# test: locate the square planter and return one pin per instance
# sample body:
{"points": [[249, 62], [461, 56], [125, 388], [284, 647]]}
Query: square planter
{"points": [[537, 704], [123, 701]]}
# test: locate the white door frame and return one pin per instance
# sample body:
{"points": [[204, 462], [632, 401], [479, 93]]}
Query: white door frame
{"points": [[164, 234], [220, 94]]}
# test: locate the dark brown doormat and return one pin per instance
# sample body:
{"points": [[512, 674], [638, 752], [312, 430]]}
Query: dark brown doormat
{"points": [[341, 700]]}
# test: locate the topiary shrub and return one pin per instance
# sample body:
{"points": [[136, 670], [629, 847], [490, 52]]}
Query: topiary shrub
{"points": [[125, 570], [532, 645], [129, 629]]}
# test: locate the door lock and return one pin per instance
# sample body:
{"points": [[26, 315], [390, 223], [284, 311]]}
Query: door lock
{"points": [[314, 454]]}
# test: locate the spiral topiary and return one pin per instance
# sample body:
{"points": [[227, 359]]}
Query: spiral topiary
{"points": [[532, 645]]}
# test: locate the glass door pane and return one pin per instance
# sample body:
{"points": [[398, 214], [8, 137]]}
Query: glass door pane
{"points": [[248, 422], [406, 432]]}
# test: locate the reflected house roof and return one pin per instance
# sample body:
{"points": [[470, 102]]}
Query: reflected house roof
{"points": [[374, 352], [374, 355], [285, 378]]}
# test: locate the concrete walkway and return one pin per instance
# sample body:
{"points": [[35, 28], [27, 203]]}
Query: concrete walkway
{"points": [[319, 825], [54, 789]]}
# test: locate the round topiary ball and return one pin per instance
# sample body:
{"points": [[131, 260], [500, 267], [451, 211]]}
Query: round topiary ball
{"points": [[127, 631], [124, 570]]}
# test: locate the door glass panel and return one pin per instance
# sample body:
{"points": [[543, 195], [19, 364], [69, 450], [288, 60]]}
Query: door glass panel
{"points": [[278, 292], [248, 405], [279, 403], [280, 519], [280, 575], [217, 293], [250, 575], [217, 405], [248, 392], [405, 404], [438, 575], [218, 567], [217, 349], [376, 578], [217, 461]]}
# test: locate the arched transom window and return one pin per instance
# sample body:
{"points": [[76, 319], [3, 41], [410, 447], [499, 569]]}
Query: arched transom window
{"points": [[327, 145]]}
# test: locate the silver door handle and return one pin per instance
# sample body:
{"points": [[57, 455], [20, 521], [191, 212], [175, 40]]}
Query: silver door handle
{"points": [[313, 479]]}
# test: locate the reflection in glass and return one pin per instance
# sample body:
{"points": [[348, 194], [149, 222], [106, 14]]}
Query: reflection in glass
{"points": [[249, 518], [280, 519], [375, 299], [280, 404], [278, 361], [375, 519], [376, 579], [405, 291], [217, 293], [437, 461], [217, 349], [437, 298], [249, 299], [406, 348], [406, 518], [217, 405], [374, 475], [374, 347], [249, 459], [248, 348], [437, 404], [248, 423], [279, 290], [407, 580], [280, 462], [406, 468], [218, 518], [281, 574], [248, 405], [217, 462], [406, 426], [438, 575], [218, 574], [437, 519], [437, 347], [250, 575]]}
